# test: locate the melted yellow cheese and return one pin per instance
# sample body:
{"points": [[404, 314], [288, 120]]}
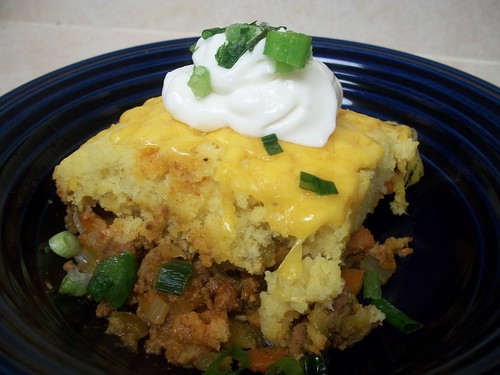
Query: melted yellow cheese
{"points": [[221, 196], [246, 168]]}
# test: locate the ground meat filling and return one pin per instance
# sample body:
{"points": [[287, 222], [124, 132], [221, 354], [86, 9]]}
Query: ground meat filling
{"points": [[219, 305], [206, 317], [364, 252]]}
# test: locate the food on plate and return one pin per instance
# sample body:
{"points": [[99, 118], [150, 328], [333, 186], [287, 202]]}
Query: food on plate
{"points": [[224, 220]]}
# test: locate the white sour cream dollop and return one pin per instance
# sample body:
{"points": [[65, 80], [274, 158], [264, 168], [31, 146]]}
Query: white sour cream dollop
{"points": [[253, 100]]}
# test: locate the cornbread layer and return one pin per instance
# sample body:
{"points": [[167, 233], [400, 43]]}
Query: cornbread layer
{"points": [[159, 184]]}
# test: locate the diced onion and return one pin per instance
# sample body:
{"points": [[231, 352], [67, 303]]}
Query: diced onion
{"points": [[153, 308]]}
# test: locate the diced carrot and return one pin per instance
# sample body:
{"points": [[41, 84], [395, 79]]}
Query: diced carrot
{"points": [[361, 240], [262, 358], [353, 278], [389, 186]]}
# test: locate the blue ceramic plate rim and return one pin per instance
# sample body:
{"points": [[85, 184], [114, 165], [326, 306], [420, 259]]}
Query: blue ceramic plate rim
{"points": [[371, 75]]}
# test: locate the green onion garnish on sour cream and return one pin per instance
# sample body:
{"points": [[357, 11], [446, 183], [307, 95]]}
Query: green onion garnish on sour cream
{"points": [[290, 50], [256, 79], [200, 82]]}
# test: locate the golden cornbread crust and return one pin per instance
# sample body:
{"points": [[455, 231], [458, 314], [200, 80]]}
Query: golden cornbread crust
{"points": [[267, 254]]}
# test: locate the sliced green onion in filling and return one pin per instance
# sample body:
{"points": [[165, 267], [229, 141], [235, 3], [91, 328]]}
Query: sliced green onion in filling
{"points": [[316, 184], [271, 144], [236, 354], [315, 365], [396, 317], [371, 285], [199, 82], [173, 277], [75, 283], [65, 244], [290, 47], [285, 366], [113, 279]]}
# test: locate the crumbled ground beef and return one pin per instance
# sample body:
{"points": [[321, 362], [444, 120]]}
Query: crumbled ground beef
{"points": [[219, 306]]}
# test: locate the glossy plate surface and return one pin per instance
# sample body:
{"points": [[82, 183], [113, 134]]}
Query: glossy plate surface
{"points": [[451, 283]]}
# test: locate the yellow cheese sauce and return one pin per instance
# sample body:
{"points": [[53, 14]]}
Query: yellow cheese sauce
{"points": [[246, 168]]}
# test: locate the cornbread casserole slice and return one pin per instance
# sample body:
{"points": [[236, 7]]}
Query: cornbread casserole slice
{"points": [[159, 189]]}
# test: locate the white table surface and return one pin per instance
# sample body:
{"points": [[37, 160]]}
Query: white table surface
{"points": [[39, 36]]}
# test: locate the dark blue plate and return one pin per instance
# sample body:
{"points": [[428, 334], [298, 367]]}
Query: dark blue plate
{"points": [[451, 283]]}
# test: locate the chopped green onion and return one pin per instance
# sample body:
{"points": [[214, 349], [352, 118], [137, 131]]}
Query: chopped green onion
{"points": [[240, 38], [199, 82], [315, 365], [233, 352], [285, 366], [371, 285], [207, 33], [283, 68], [113, 279], [288, 47], [396, 317], [229, 53], [75, 283], [316, 184], [241, 33], [173, 277], [65, 244], [290, 50], [271, 144]]}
